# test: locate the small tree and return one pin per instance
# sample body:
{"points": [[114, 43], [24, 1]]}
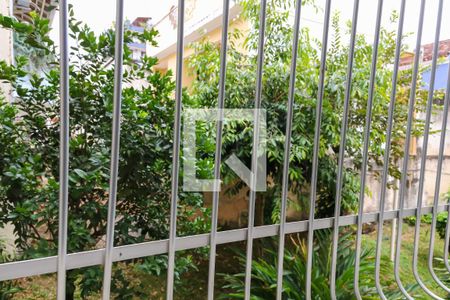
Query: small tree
{"points": [[240, 93], [29, 142]]}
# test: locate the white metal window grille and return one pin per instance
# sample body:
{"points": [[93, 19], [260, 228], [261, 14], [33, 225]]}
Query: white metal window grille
{"points": [[63, 261]]}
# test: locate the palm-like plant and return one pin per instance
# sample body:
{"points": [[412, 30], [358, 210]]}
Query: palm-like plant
{"points": [[264, 271]]}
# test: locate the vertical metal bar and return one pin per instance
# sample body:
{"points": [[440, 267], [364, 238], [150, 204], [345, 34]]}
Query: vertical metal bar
{"points": [[176, 152], [407, 145], [447, 242], [365, 156], [447, 227], [218, 153], [254, 163], [394, 224], [315, 162], [340, 174], [385, 174], [64, 136], [287, 149], [115, 144], [441, 151], [423, 163]]}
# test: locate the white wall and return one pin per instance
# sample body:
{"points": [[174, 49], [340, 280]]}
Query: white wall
{"points": [[411, 196]]}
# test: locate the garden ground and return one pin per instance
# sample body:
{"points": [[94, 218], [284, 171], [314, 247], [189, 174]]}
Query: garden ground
{"points": [[194, 283]]}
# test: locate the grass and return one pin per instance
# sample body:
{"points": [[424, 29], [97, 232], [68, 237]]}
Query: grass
{"points": [[407, 276], [37, 287]]}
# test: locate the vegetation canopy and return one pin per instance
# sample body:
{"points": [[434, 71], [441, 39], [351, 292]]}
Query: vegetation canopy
{"points": [[29, 142]]}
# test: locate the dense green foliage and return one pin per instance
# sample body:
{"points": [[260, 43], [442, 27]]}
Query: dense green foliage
{"points": [[240, 93], [441, 222], [29, 143], [241, 71]]}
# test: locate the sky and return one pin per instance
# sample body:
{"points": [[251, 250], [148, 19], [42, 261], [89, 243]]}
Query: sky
{"points": [[100, 14]]}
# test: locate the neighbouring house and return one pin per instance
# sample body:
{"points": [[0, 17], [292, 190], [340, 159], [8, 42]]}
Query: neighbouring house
{"points": [[203, 20], [138, 48], [406, 63]]}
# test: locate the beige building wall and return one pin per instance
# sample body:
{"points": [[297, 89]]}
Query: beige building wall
{"points": [[203, 20], [6, 43], [169, 62]]}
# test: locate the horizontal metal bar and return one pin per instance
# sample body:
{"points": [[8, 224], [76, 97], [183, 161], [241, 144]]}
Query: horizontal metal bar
{"points": [[39, 266]]}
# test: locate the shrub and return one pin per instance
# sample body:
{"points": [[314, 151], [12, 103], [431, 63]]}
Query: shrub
{"points": [[204, 65], [29, 142], [441, 222]]}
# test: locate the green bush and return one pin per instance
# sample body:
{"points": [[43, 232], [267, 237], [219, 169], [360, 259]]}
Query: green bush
{"points": [[29, 156], [441, 222], [204, 65], [29, 138]]}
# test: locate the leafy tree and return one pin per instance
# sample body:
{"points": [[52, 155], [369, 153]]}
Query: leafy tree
{"points": [[29, 142], [240, 93]]}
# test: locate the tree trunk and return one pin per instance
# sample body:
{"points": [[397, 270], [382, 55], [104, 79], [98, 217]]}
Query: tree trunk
{"points": [[259, 211]]}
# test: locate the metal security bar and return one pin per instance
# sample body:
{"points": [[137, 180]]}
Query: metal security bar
{"points": [[110, 254], [365, 154], [218, 153], [64, 150], [176, 152], [387, 154], [114, 170], [421, 183]]}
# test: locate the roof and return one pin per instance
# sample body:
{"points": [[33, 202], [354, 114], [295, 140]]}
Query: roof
{"points": [[201, 17], [407, 58], [140, 21], [444, 50]]}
